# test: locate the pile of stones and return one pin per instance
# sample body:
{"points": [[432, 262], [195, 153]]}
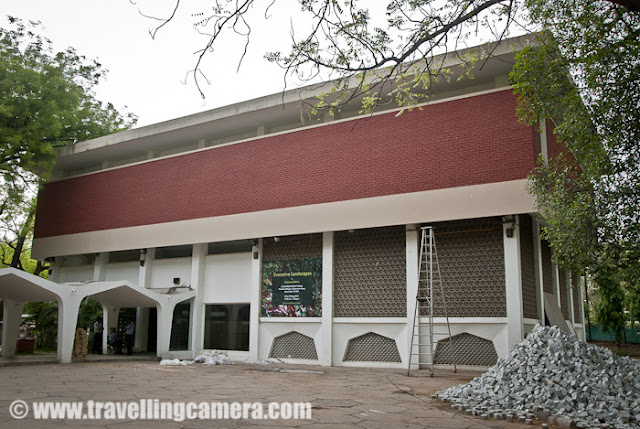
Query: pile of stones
{"points": [[555, 377]]}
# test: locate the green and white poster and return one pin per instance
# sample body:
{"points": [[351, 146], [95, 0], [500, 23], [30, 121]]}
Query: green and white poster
{"points": [[292, 288]]}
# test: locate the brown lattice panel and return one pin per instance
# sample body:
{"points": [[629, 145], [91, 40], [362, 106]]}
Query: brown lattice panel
{"points": [[370, 273], [471, 257], [293, 345], [372, 347], [465, 349], [528, 267], [292, 247]]}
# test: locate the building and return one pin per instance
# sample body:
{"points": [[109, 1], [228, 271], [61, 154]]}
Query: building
{"points": [[261, 231]]}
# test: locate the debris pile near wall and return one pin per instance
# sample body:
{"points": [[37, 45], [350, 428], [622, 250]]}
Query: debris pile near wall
{"points": [[555, 376]]}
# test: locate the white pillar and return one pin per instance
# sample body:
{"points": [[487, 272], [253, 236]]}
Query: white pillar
{"points": [[570, 297], [412, 239], [100, 266], [144, 274], [109, 320], [513, 283], [140, 339], [11, 319], [326, 349], [68, 308], [56, 266], [198, 261], [537, 258], [255, 305], [165, 318], [555, 282]]}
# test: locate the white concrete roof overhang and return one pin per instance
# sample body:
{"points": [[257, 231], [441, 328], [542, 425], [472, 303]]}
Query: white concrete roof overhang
{"points": [[270, 111], [24, 287]]}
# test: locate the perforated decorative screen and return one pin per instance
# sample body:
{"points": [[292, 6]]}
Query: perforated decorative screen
{"points": [[293, 345], [471, 257], [372, 347], [562, 285], [528, 266], [370, 273], [467, 349]]}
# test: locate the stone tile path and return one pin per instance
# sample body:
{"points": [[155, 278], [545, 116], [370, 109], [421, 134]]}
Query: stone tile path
{"points": [[340, 397]]}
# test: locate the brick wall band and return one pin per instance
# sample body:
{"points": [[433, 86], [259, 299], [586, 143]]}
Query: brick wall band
{"points": [[381, 155]]}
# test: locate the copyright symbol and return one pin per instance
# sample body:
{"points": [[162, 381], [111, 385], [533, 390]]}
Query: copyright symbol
{"points": [[19, 409]]}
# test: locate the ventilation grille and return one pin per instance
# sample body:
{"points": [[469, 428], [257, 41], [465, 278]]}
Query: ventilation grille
{"points": [[293, 345], [562, 286], [467, 349], [547, 268], [372, 347], [529, 303], [471, 258], [370, 273], [293, 247]]}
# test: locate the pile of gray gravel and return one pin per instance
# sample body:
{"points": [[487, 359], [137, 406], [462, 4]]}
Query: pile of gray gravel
{"points": [[554, 376]]}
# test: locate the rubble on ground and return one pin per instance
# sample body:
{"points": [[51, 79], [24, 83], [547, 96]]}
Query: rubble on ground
{"points": [[211, 357], [556, 377]]}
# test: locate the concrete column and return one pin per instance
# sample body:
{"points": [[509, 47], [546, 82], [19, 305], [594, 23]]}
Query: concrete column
{"points": [[67, 322], [513, 283], [198, 262], [255, 299], [109, 320], [555, 281], [100, 267], [537, 258], [165, 318], [412, 239], [144, 274], [582, 333], [140, 338], [570, 297], [544, 149], [326, 348], [11, 320], [56, 266]]}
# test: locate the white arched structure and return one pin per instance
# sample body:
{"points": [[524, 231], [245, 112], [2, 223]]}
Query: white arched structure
{"points": [[18, 287]]}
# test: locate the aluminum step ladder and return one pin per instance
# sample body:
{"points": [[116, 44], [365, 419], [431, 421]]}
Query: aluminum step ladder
{"points": [[423, 333]]}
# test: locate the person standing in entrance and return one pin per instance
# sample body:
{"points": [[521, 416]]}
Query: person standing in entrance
{"points": [[97, 337], [129, 330]]}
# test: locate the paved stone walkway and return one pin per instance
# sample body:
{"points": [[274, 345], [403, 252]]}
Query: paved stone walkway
{"points": [[340, 397]]}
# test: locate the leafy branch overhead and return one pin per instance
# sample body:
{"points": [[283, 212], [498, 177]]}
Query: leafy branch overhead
{"points": [[366, 52], [47, 100]]}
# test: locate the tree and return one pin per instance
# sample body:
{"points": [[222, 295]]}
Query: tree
{"points": [[46, 101], [590, 207]]}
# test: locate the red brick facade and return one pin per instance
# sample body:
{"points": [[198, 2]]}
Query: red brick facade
{"points": [[470, 141]]}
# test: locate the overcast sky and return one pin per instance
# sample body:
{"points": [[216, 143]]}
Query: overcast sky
{"points": [[146, 75]]}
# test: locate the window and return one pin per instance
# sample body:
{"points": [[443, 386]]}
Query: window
{"points": [[226, 326]]}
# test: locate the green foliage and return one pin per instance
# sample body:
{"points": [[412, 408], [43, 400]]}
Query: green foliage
{"points": [[47, 100], [44, 316], [610, 307], [585, 75]]}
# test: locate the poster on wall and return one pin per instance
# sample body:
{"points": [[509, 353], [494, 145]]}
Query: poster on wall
{"points": [[292, 288]]}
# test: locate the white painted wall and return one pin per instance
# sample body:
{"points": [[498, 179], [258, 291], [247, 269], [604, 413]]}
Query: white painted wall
{"points": [[82, 273], [128, 271], [227, 279], [164, 270], [277, 326]]}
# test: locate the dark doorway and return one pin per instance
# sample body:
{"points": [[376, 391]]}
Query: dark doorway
{"points": [[152, 333]]}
